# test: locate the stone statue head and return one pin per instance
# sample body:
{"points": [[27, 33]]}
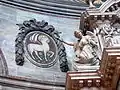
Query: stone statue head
{"points": [[78, 34]]}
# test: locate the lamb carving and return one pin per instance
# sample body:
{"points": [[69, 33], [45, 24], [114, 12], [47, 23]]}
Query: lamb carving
{"points": [[40, 44]]}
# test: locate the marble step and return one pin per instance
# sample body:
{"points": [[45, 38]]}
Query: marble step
{"points": [[53, 8], [61, 4], [47, 7], [78, 3]]}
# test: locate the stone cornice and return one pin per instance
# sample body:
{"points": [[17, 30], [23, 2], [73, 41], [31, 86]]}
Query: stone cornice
{"points": [[20, 82]]}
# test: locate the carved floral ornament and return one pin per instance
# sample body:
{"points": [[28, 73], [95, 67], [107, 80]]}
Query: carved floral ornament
{"points": [[109, 10], [109, 32]]}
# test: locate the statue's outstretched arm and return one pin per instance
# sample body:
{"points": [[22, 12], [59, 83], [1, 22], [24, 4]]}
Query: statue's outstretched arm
{"points": [[70, 44]]}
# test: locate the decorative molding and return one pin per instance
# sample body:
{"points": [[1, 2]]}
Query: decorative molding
{"points": [[105, 78], [107, 4], [103, 24], [109, 10], [35, 29], [29, 84], [113, 6]]}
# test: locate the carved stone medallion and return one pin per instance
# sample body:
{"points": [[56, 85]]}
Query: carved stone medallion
{"points": [[41, 49], [41, 44]]}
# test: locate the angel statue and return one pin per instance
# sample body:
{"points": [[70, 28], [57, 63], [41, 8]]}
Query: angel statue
{"points": [[85, 48]]}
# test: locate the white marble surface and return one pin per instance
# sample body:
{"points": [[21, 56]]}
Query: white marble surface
{"points": [[9, 17]]}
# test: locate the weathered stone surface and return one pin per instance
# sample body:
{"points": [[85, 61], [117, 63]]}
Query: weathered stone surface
{"points": [[9, 17], [67, 8], [22, 83]]}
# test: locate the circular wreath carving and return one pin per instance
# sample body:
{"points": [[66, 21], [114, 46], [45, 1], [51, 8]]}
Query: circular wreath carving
{"points": [[41, 27]]}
